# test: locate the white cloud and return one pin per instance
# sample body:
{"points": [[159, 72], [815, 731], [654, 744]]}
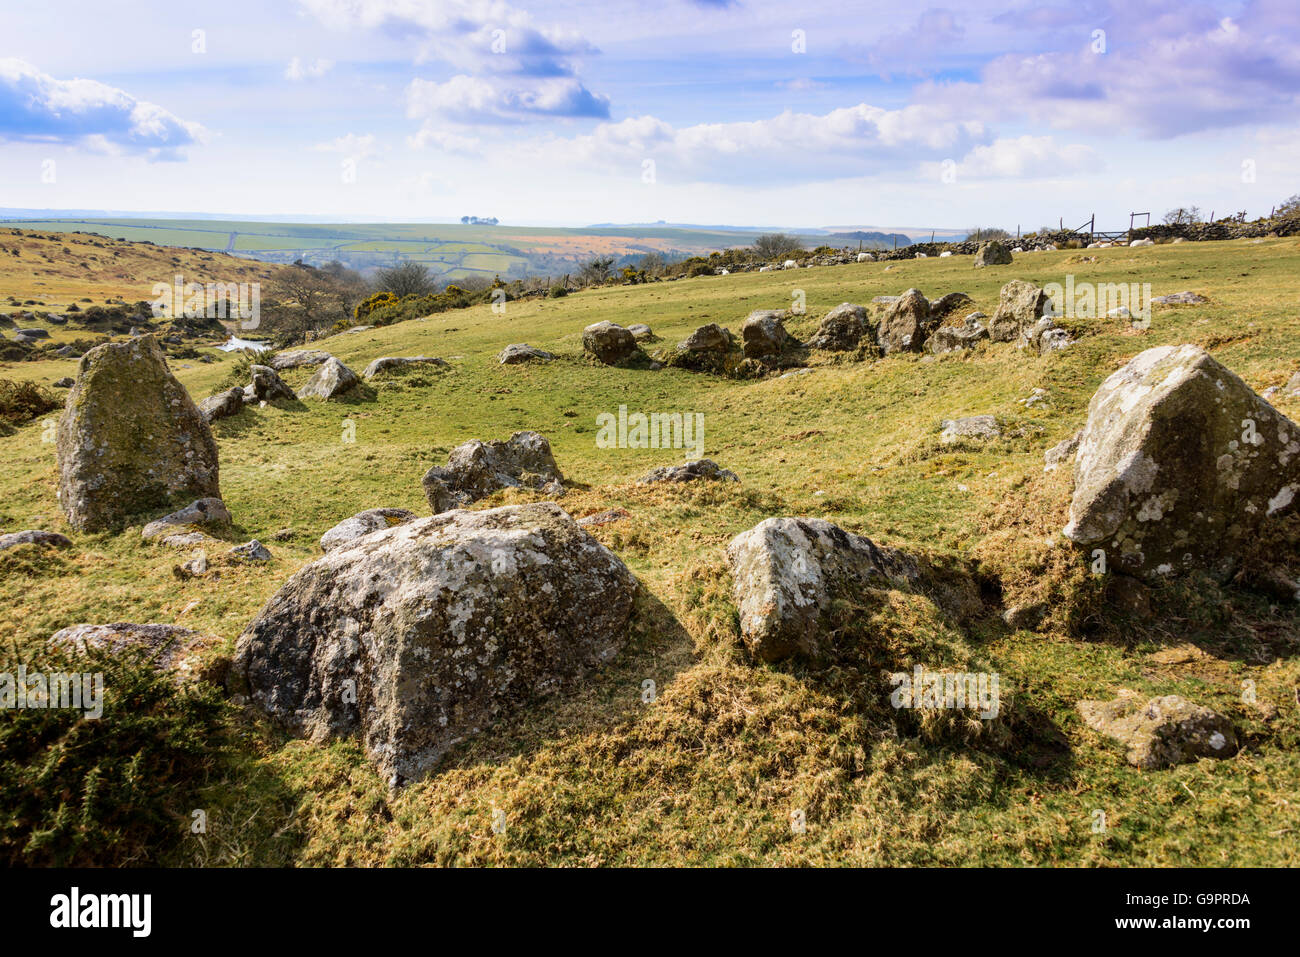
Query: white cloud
{"points": [[35, 106], [350, 145], [1024, 157], [298, 71]]}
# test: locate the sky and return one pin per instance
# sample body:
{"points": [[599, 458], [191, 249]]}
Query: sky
{"points": [[738, 112]]}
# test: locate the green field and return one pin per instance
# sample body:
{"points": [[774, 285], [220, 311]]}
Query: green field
{"points": [[710, 772]]}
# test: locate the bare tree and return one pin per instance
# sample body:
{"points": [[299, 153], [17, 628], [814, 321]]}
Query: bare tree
{"points": [[776, 245], [406, 279], [303, 299], [597, 270], [1289, 208], [1183, 216]]}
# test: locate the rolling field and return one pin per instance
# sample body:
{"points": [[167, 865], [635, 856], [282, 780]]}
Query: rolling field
{"points": [[710, 772]]}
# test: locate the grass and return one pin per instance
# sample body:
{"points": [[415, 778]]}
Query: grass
{"points": [[710, 772]]}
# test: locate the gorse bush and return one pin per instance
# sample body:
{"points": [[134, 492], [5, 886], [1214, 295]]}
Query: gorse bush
{"points": [[21, 402], [112, 791]]}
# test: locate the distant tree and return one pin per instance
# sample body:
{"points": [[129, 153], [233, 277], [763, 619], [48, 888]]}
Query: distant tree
{"points": [[1290, 208], [986, 233], [597, 270], [1183, 216], [406, 279], [465, 220], [776, 245], [652, 263], [302, 299]]}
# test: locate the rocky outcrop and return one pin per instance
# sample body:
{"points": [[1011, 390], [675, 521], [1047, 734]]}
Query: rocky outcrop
{"points": [[130, 439], [267, 386], [332, 379], [905, 324], [1179, 466], [1161, 732], [477, 469], [763, 333], [957, 338], [363, 523], [690, 472], [788, 572], [415, 638]]}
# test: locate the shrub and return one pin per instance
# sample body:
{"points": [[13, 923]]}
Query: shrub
{"points": [[113, 791], [23, 401]]}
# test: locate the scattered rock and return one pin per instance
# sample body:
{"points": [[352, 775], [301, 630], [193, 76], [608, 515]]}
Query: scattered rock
{"points": [[710, 339], [34, 536], [253, 551], [206, 511], [130, 439], [607, 517], [66, 382], [609, 343], [1179, 466], [477, 469], [297, 358], [904, 326], [787, 574], [643, 333], [842, 328], [222, 405], [186, 654], [1161, 732], [1061, 452], [1021, 305], [957, 338], [699, 469], [389, 363], [267, 386], [992, 254], [363, 523], [1184, 298], [763, 333], [519, 352], [941, 307], [417, 637], [970, 427], [332, 379], [1044, 336]]}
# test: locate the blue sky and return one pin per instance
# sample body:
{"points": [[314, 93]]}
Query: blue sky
{"points": [[743, 112]]}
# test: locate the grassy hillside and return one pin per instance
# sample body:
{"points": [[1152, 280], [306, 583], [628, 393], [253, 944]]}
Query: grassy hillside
{"points": [[711, 771]]}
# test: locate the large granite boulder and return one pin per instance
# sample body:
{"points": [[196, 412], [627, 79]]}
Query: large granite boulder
{"points": [[130, 439], [363, 523], [477, 469], [763, 333], [992, 254], [842, 328], [609, 342], [788, 573], [332, 379], [905, 324], [415, 638], [1179, 466], [1021, 304]]}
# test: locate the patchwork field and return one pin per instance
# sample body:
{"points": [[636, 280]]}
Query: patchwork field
{"points": [[711, 771]]}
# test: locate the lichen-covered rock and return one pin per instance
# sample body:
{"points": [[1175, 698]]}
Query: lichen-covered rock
{"points": [[391, 363], [690, 472], [253, 551], [1179, 466], [842, 328], [267, 386], [518, 352], [297, 358], [332, 379], [992, 254], [1020, 305], [787, 573], [905, 324], [941, 307], [1185, 298], [977, 427], [206, 511], [1043, 336], [186, 654], [708, 339], [415, 638], [363, 523], [130, 439], [33, 536], [957, 338], [1161, 732], [222, 405], [763, 333], [609, 342], [1062, 452], [641, 332], [476, 469]]}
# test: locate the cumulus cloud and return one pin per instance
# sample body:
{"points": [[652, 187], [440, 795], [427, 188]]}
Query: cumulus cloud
{"points": [[35, 106], [853, 141], [297, 70], [508, 68], [350, 145], [1023, 157]]}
